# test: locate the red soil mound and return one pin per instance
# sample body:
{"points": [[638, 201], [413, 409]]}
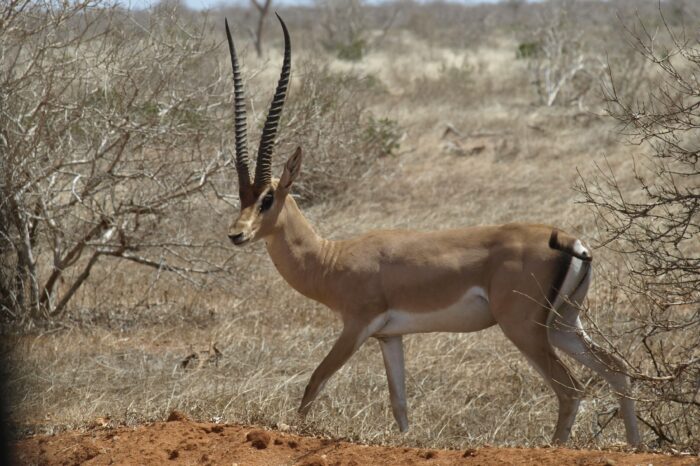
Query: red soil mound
{"points": [[181, 441]]}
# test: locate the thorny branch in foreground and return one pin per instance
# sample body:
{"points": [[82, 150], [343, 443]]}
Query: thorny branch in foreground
{"points": [[655, 228]]}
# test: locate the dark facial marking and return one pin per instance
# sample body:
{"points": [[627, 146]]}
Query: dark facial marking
{"points": [[267, 201]]}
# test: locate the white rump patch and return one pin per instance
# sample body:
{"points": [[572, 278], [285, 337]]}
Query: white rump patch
{"points": [[571, 281], [580, 249], [469, 314]]}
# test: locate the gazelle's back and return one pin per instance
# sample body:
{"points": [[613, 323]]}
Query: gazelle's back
{"points": [[423, 271]]}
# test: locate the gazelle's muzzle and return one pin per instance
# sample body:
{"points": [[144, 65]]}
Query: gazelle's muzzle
{"points": [[240, 234], [238, 239], [245, 227]]}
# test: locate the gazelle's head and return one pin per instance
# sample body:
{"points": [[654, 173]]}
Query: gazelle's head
{"points": [[263, 198]]}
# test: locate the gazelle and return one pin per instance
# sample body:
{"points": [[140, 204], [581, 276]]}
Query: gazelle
{"points": [[528, 279]]}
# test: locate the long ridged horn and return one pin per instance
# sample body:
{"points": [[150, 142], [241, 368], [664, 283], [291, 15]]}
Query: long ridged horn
{"points": [[267, 140], [242, 162]]}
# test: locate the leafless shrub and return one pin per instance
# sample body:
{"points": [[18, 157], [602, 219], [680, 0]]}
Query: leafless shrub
{"points": [[447, 23], [562, 71], [455, 83], [655, 228], [351, 28], [263, 8], [327, 115], [101, 138]]}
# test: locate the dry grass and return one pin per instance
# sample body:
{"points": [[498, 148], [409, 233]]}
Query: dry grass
{"points": [[118, 353]]}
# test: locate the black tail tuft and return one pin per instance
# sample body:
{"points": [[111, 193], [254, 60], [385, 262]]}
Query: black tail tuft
{"points": [[566, 244], [554, 240]]}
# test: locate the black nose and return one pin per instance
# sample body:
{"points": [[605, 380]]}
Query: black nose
{"points": [[236, 239]]}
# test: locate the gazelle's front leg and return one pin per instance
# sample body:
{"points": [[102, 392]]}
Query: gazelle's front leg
{"points": [[350, 340], [392, 351]]}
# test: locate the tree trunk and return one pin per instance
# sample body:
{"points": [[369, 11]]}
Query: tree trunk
{"points": [[263, 10]]}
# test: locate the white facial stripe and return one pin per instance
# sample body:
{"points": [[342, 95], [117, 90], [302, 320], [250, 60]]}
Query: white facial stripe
{"points": [[246, 219]]}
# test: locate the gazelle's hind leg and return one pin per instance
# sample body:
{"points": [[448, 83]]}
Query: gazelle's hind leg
{"points": [[531, 339], [567, 334], [524, 321]]}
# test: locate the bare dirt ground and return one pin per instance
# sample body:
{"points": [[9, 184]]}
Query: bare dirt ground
{"points": [[182, 441]]}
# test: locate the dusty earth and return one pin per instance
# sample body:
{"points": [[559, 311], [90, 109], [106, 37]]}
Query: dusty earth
{"points": [[182, 441]]}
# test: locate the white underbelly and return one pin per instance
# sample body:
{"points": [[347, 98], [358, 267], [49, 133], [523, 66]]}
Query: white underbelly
{"points": [[470, 314]]}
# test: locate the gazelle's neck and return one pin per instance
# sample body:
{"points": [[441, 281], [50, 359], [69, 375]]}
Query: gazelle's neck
{"points": [[299, 254]]}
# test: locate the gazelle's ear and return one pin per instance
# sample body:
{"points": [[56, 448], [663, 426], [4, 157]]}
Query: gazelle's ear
{"points": [[291, 170]]}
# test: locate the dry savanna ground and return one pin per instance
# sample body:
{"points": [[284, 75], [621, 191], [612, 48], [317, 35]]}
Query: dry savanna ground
{"points": [[477, 145], [181, 440]]}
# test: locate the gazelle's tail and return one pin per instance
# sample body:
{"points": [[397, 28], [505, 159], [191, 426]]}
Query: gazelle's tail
{"points": [[570, 245]]}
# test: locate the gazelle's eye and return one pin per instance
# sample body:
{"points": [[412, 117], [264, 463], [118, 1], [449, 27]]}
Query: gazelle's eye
{"points": [[267, 201]]}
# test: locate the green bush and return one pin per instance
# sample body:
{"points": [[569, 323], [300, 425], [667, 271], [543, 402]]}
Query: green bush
{"points": [[382, 136], [353, 51], [528, 50]]}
